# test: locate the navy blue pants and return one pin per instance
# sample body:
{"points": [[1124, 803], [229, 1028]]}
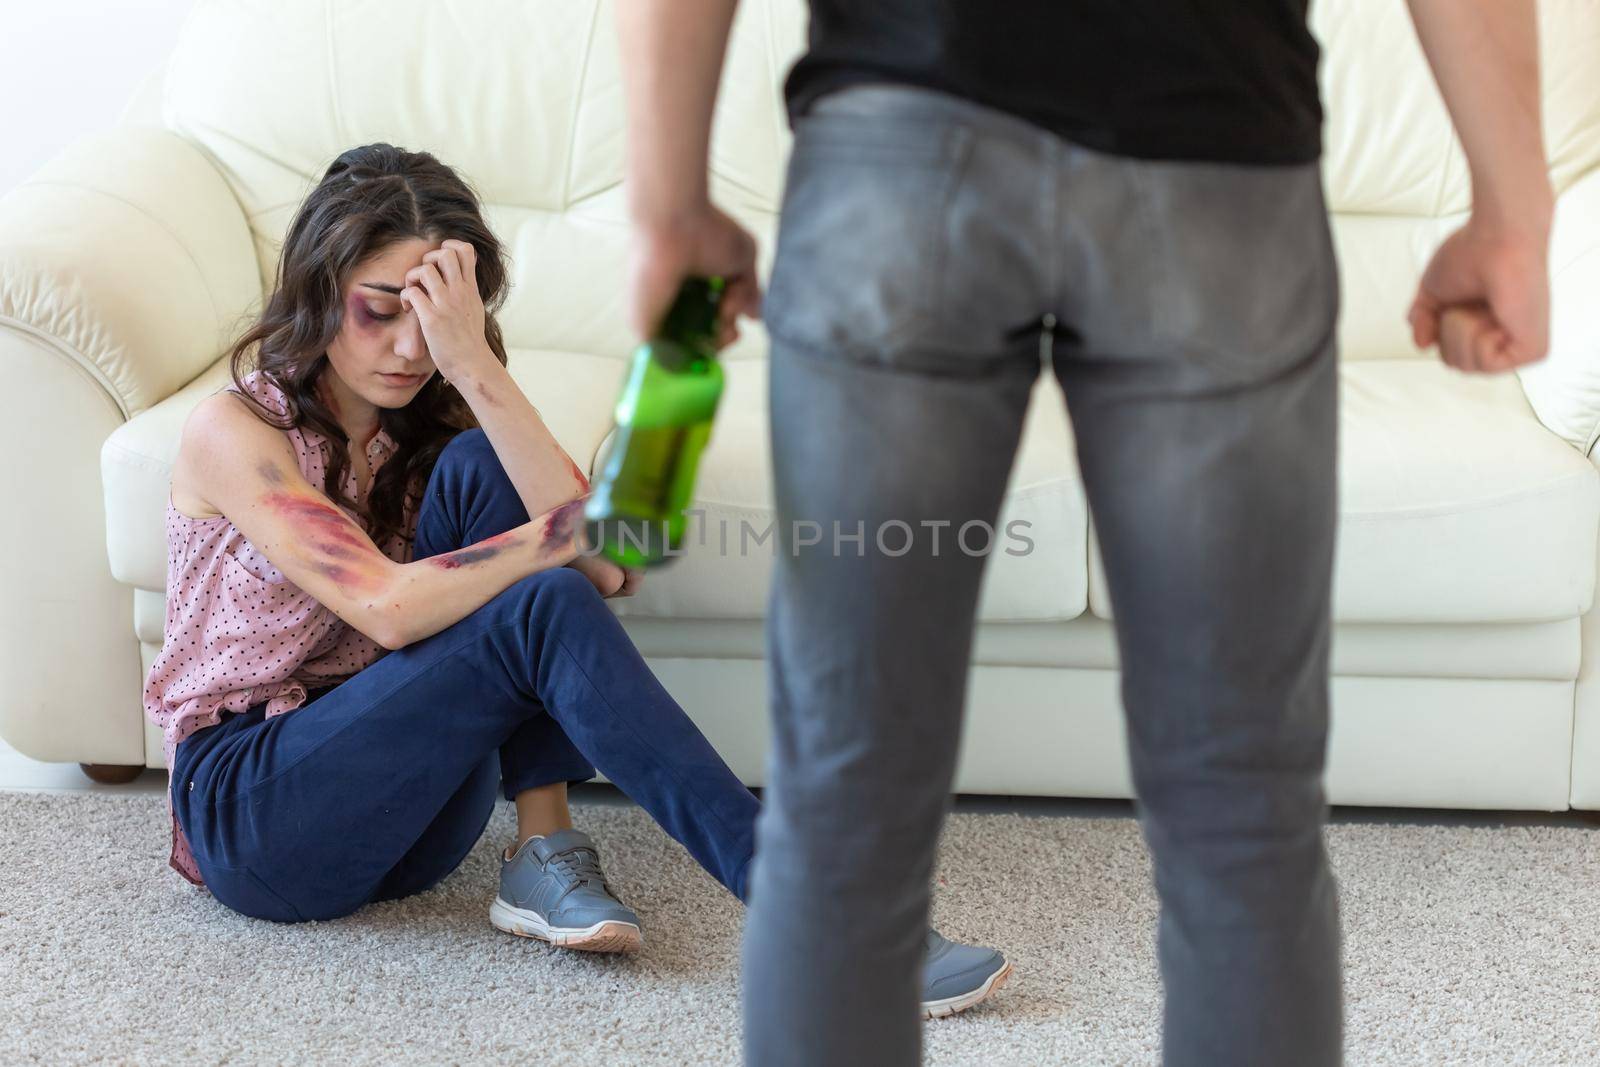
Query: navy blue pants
{"points": [[379, 787]]}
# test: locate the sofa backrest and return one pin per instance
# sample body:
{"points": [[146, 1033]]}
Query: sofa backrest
{"points": [[524, 98]]}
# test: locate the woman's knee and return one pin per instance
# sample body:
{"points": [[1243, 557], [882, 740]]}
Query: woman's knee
{"points": [[462, 462], [469, 497], [468, 446], [557, 597], [558, 585]]}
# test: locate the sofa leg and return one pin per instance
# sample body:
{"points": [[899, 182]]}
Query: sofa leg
{"points": [[111, 773]]}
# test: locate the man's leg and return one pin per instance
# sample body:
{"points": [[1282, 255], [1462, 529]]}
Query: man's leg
{"points": [[901, 368], [1202, 381]]}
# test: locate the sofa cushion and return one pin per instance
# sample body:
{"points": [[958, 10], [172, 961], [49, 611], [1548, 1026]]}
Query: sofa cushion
{"points": [[1456, 504], [1548, 651]]}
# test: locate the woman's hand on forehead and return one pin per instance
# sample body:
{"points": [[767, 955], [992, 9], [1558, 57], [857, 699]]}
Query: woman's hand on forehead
{"points": [[443, 291]]}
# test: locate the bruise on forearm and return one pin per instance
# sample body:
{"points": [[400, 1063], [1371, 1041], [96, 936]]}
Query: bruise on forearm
{"points": [[488, 548], [553, 535], [561, 524], [486, 394]]}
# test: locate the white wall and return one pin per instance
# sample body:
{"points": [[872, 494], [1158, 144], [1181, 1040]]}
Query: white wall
{"points": [[68, 67]]}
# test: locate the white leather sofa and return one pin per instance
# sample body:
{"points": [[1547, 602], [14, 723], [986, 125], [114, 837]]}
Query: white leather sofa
{"points": [[1467, 644]]}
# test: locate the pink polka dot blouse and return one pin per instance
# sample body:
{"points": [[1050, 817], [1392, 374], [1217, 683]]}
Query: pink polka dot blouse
{"points": [[238, 633]]}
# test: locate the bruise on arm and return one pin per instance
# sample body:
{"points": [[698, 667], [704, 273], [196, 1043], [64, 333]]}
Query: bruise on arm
{"points": [[335, 547], [552, 536], [330, 542], [561, 524], [577, 475], [487, 395], [485, 549]]}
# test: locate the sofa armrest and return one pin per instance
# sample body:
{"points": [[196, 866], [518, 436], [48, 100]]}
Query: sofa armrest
{"points": [[129, 256], [1564, 387], [124, 264]]}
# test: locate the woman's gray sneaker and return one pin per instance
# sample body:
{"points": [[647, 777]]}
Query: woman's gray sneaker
{"points": [[552, 888], [955, 977]]}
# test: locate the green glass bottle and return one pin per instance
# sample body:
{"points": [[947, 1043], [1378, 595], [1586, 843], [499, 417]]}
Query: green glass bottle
{"points": [[636, 511]]}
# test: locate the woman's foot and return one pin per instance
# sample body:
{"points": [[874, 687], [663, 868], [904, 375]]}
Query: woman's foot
{"points": [[955, 977], [552, 888]]}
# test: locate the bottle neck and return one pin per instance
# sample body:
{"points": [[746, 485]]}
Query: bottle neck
{"points": [[691, 322]]}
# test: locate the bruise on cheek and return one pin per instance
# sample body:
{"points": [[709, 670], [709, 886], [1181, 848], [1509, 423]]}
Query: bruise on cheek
{"points": [[336, 547]]}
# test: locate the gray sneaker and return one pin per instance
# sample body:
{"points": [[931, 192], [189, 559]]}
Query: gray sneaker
{"points": [[552, 888], [955, 977]]}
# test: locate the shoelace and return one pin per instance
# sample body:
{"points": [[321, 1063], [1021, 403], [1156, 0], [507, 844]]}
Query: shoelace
{"points": [[581, 867]]}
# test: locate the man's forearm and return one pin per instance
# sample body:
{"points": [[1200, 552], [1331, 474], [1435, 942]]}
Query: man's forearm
{"points": [[672, 54], [1485, 57]]}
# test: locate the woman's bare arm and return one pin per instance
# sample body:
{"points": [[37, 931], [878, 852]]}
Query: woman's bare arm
{"points": [[441, 292], [246, 470]]}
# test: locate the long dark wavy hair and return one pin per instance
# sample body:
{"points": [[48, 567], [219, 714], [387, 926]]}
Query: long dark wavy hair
{"points": [[370, 197]]}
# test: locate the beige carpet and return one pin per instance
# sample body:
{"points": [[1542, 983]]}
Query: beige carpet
{"points": [[1464, 945]]}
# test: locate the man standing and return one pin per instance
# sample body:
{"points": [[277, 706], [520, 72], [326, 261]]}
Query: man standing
{"points": [[1139, 181]]}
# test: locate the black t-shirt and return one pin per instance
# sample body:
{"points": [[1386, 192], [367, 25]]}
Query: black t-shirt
{"points": [[1225, 80]]}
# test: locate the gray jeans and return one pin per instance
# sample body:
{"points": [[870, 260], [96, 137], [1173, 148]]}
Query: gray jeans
{"points": [[926, 242]]}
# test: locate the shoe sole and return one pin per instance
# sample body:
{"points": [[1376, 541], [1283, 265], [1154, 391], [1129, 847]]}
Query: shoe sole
{"points": [[611, 935], [942, 1009]]}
